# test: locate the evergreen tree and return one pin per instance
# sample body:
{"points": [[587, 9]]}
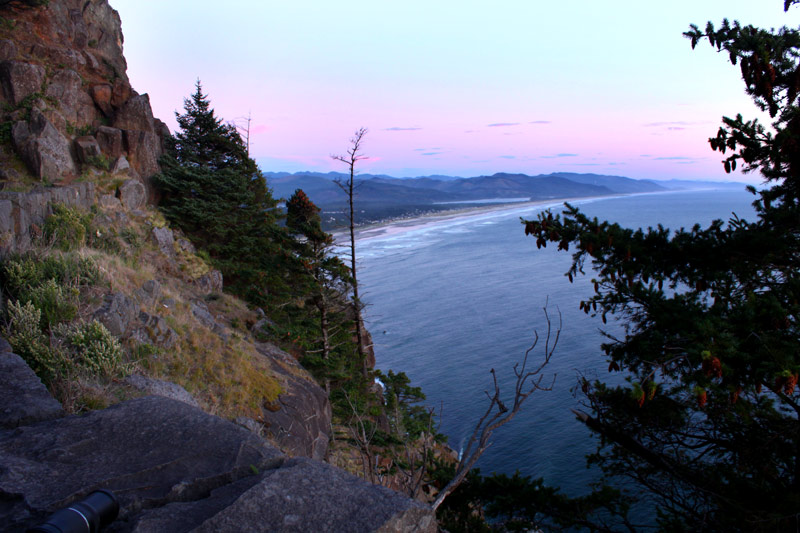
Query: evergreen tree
{"points": [[327, 281], [216, 194], [708, 422]]}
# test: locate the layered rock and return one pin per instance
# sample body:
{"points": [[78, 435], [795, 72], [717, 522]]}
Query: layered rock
{"points": [[175, 468]]}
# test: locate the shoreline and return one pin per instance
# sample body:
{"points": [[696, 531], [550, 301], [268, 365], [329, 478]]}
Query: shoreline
{"points": [[396, 225]]}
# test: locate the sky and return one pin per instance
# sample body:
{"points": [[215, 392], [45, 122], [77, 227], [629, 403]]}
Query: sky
{"points": [[461, 88]]}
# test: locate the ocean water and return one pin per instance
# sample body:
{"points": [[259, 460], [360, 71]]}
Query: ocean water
{"points": [[450, 299]]}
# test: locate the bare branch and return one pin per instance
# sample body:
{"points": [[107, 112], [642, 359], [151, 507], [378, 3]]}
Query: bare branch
{"points": [[497, 413]]}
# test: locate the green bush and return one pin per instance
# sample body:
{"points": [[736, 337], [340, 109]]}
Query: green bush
{"points": [[21, 273], [57, 303], [91, 346], [26, 338], [67, 227]]}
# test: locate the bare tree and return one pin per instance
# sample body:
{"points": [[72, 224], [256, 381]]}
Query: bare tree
{"points": [[353, 156], [498, 413], [245, 129]]}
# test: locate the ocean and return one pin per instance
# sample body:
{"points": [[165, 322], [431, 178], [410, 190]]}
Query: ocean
{"points": [[449, 298]]}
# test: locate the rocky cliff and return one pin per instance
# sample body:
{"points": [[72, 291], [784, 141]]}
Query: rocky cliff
{"points": [[69, 112], [206, 428], [174, 469]]}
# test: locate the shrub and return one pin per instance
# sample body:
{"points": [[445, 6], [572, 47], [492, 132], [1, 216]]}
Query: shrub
{"points": [[21, 273], [28, 341], [91, 346], [66, 227], [57, 303]]}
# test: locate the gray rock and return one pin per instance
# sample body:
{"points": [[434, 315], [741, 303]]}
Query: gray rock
{"points": [[110, 141], [133, 195], [135, 115], [116, 313], [156, 331], [159, 387], [165, 240], [121, 166], [144, 148], [109, 201], [87, 148], [201, 313], [43, 148], [20, 80], [23, 398], [65, 88], [149, 293], [304, 495], [210, 281], [8, 50], [187, 246], [300, 420], [149, 451], [250, 424]]}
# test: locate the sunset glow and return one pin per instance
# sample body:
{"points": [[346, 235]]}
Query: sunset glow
{"points": [[458, 88]]}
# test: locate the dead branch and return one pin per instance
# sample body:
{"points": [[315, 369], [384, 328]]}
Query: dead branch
{"points": [[497, 413]]}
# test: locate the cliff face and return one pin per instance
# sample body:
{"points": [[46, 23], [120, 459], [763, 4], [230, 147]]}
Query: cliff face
{"points": [[69, 109], [74, 132]]}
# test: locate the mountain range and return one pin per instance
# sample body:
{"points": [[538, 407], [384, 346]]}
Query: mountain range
{"points": [[380, 197]]}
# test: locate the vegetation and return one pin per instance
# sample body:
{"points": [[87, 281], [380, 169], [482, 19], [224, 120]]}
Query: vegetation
{"points": [[707, 424], [215, 193]]}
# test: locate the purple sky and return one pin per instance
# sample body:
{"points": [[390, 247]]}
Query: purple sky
{"points": [[461, 88]]}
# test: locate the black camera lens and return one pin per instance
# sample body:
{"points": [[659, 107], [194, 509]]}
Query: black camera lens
{"points": [[90, 515]]}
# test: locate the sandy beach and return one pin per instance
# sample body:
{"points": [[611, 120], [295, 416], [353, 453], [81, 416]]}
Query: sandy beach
{"points": [[402, 225]]}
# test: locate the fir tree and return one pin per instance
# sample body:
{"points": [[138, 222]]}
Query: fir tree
{"points": [[708, 424], [216, 194]]}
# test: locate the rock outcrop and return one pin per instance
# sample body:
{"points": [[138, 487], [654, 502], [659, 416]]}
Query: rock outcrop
{"points": [[176, 468], [23, 398], [70, 106], [300, 422]]}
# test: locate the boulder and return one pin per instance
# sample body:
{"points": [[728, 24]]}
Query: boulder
{"points": [[301, 495], [117, 313], [101, 96], [135, 115], [87, 149], [201, 313], [43, 148], [150, 451], [109, 201], [110, 141], [20, 80], [210, 281], [23, 398], [144, 149], [165, 240], [155, 330], [300, 420], [132, 194], [65, 87], [122, 166], [8, 50], [149, 293], [120, 93], [157, 387]]}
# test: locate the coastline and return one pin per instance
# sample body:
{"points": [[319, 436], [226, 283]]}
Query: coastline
{"points": [[400, 224]]}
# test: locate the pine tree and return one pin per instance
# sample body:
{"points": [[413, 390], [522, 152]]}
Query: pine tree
{"points": [[709, 422], [216, 194], [327, 282]]}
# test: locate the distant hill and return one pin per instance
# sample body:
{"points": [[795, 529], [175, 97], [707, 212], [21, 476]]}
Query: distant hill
{"points": [[381, 197]]}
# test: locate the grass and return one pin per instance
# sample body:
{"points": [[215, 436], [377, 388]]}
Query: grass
{"points": [[227, 377]]}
